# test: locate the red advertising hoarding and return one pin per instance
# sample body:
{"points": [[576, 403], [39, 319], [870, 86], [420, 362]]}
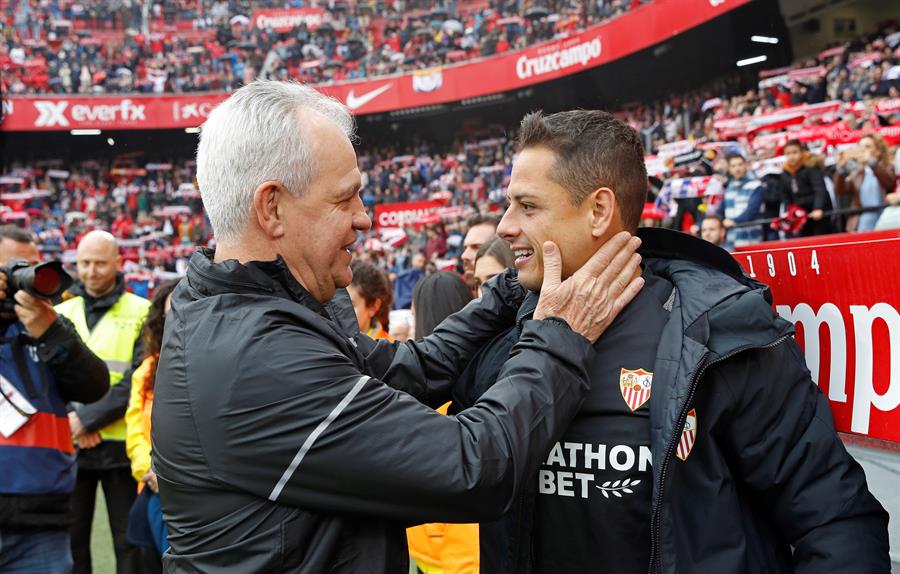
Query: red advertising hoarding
{"points": [[843, 294], [108, 113], [641, 28], [403, 214]]}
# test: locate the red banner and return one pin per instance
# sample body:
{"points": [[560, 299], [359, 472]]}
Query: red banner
{"points": [[841, 292], [403, 214], [112, 113], [641, 28], [285, 19]]}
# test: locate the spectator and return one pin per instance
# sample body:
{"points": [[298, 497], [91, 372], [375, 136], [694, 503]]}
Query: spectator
{"points": [[146, 528], [445, 548], [370, 293], [804, 186], [866, 175], [43, 365], [481, 229], [743, 202], [435, 298], [109, 321], [436, 245], [491, 259], [406, 282], [712, 229]]}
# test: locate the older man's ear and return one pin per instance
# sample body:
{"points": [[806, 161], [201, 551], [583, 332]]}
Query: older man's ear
{"points": [[268, 201]]}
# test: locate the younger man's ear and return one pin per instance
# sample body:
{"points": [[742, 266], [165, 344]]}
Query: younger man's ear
{"points": [[603, 211]]}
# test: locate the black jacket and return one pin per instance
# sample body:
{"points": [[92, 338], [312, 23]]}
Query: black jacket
{"points": [[767, 472], [109, 453], [806, 188], [80, 376], [277, 448]]}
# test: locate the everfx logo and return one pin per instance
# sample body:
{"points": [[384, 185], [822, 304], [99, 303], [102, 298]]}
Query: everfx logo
{"points": [[51, 113]]}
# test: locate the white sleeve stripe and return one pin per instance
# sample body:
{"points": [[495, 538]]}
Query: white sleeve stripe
{"points": [[308, 443]]}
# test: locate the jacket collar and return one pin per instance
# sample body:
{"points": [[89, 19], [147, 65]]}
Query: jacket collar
{"points": [[103, 302], [211, 278], [721, 308]]}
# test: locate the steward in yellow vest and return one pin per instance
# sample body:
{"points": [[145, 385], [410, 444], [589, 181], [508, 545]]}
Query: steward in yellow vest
{"points": [[109, 321], [110, 326]]}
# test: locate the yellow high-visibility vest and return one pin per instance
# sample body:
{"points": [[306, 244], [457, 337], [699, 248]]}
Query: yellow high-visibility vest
{"points": [[112, 340]]}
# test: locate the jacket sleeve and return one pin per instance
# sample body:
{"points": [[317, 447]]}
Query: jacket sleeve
{"points": [[821, 199], [112, 406], [885, 177], [136, 444], [785, 449], [80, 375], [313, 432], [427, 369]]}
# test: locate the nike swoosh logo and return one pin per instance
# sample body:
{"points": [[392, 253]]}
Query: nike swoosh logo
{"points": [[355, 102]]}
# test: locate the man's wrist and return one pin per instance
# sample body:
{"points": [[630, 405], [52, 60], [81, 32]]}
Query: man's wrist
{"points": [[557, 320]]}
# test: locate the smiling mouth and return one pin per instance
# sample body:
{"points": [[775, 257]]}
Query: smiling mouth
{"points": [[523, 255]]}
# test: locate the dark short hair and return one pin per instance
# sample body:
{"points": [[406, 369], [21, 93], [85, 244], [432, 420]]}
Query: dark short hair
{"points": [[715, 217], [795, 143], [480, 219], [15, 233], [436, 297], [373, 284], [369, 280], [734, 155], [499, 249], [593, 150]]}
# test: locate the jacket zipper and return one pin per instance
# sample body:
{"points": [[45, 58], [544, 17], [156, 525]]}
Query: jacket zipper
{"points": [[679, 426]]}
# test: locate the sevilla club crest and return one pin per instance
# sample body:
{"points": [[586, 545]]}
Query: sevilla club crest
{"points": [[635, 386], [688, 436]]}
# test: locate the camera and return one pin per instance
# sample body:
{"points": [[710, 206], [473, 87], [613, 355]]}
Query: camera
{"points": [[44, 280]]}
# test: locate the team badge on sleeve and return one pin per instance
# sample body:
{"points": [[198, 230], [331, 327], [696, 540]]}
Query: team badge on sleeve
{"points": [[688, 436], [635, 386]]}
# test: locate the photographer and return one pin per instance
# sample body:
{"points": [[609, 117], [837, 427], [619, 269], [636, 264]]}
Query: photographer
{"points": [[43, 365]]}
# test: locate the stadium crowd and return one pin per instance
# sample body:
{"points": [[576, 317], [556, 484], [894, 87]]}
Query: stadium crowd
{"points": [[55, 47], [842, 109]]}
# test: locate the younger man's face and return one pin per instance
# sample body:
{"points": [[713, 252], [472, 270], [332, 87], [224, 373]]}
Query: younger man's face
{"points": [[541, 210]]}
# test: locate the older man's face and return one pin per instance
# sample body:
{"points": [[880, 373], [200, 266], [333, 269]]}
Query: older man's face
{"points": [[321, 225]]}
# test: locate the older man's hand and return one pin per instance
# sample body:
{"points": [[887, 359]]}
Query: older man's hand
{"points": [[594, 295]]}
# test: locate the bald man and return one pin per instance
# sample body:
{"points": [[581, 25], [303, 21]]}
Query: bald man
{"points": [[109, 321]]}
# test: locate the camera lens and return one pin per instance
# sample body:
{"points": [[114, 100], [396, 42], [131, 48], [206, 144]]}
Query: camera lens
{"points": [[46, 281]]}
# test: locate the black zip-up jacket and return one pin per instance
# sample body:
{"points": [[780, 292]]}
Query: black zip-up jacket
{"points": [[767, 471], [278, 449], [80, 375]]}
